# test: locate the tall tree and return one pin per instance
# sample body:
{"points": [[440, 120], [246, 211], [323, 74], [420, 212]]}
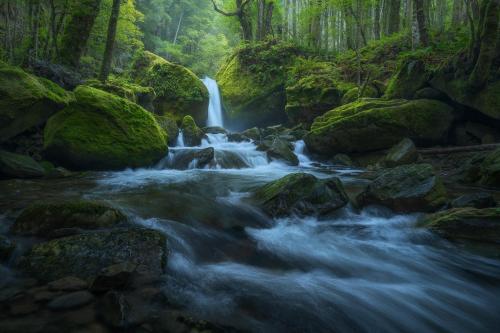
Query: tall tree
{"points": [[77, 32], [422, 36], [110, 41], [393, 12], [243, 16]]}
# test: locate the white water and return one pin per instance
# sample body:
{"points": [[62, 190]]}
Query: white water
{"points": [[180, 139], [214, 107]]}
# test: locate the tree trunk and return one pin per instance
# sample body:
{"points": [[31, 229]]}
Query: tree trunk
{"points": [[421, 21], [376, 20], [110, 41], [394, 17], [77, 31], [487, 50]]}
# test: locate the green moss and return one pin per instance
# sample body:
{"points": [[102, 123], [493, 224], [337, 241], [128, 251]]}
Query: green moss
{"points": [[191, 132], [353, 94], [27, 101], [179, 91], [466, 223], [102, 131], [374, 124], [169, 125], [42, 218], [490, 170], [19, 166]]}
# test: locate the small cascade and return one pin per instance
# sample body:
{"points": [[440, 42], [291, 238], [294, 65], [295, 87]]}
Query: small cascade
{"points": [[299, 150], [214, 107], [180, 140]]}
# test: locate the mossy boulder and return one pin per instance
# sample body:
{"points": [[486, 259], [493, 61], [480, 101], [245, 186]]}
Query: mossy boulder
{"points": [[482, 225], [27, 101], [191, 132], [279, 149], [42, 219], [252, 84], [312, 89], [101, 131], [404, 152], [489, 173], [86, 255], [352, 95], [302, 194], [179, 91], [411, 76], [474, 200], [169, 125], [19, 166], [406, 188], [375, 124]]}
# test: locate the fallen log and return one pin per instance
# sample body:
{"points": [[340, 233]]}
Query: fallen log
{"points": [[462, 149]]}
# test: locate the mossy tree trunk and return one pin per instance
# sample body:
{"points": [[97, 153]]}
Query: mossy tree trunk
{"points": [[393, 20], [487, 45], [421, 21], [110, 41], [77, 31]]}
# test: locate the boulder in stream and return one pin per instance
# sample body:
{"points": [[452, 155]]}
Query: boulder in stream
{"points": [[474, 200], [182, 159], [279, 149], [191, 132], [86, 255], [481, 225], [406, 188], [45, 219], [19, 166], [404, 152], [302, 194]]}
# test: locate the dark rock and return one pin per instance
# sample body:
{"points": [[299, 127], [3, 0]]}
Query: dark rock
{"points": [[490, 170], [7, 247], [302, 194], [40, 219], [229, 160], [404, 152], [85, 255], [253, 133], [411, 76], [114, 309], [70, 301], [474, 200], [69, 283], [342, 160], [19, 166], [430, 93], [114, 277], [278, 149], [214, 130], [61, 75], [182, 159], [237, 137], [471, 133], [406, 188], [22, 304], [481, 225]]}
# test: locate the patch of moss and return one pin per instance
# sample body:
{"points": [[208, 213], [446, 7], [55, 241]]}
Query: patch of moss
{"points": [[353, 94], [102, 131], [191, 132]]}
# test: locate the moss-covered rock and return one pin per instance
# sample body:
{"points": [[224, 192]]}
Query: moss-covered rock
{"points": [[407, 188], [278, 149], [252, 84], [302, 194], [474, 200], [374, 124], [191, 132], [481, 225], [19, 166], [312, 89], [411, 76], [169, 125], [85, 255], [41, 219], [352, 95], [27, 101], [489, 174], [102, 131], [404, 152], [179, 91]]}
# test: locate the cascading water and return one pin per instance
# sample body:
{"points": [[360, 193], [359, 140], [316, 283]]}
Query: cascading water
{"points": [[214, 107]]}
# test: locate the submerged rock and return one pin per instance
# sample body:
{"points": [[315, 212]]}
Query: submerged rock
{"points": [[481, 225], [183, 159], [302, 194], [27, 101], [374, 124], [474, 200], [85, 255], [41, 219], [19, 166], [407, 188], [101, 131], [179, 91], [191, 132], [404, 152]]}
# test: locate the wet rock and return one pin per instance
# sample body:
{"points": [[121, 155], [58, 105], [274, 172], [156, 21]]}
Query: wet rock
{"points": [[474, 200], [230, 160], [490, 170], [7, 247], [404, 152], [342, 160], [278, 149], [19, 166], [237, 137], [182, 159], [43, 296], [407, 188], [71, 301], [114, 277], [253, 133], [69, 283], [114, 309], [301, 194], [42, 219], [214, 130], [85, 255], [481, 225], [191, 132]]}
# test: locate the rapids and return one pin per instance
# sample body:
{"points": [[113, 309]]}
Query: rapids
{"points": [[359, 271]]}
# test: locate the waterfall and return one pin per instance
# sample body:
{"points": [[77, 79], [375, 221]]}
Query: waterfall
{"points": [[214, 108]]}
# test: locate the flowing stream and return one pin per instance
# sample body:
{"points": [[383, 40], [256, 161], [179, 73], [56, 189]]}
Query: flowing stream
{"points": [[368, 271]]}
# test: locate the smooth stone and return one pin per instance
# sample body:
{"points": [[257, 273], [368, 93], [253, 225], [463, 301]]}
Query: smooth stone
{"points": [[71, 301]]}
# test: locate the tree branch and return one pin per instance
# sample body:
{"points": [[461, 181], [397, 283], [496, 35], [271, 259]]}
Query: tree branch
{"points": [[225, 13]]}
